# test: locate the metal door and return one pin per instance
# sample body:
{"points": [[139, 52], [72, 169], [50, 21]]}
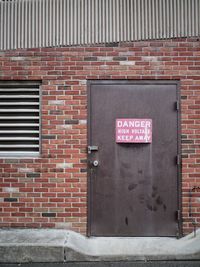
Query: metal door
{"points": [[133, 187]]}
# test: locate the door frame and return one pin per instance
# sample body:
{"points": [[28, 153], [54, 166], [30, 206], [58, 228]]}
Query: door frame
{"points": [[179, 159]]}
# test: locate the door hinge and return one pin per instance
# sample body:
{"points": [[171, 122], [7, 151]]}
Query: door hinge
{"points": [[178, 160], [177, 105], [178, 215]]}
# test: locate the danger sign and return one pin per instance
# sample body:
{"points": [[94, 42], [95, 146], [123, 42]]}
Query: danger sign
{"points": [[133, 130]]}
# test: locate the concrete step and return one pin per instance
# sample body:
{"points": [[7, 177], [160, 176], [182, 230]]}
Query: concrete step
{"points": [[49, 245]]}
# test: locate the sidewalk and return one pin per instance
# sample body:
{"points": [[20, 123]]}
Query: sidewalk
{"points": [[49, 245]]}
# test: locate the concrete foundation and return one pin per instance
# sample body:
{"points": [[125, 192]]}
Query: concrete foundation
{"points": [[47, 245]]}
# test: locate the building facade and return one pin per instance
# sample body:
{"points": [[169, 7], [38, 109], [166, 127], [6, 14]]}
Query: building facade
{"points": [[56, 109]]}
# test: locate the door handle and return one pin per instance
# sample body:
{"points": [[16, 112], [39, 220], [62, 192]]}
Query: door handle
{"points": [[92, 148]]}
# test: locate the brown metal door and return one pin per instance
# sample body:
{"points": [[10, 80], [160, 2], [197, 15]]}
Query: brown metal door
{"points": [[133, 187]]}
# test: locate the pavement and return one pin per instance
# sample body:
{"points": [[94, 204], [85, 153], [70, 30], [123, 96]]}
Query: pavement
{"points": [[67, 247], [109, 264]]}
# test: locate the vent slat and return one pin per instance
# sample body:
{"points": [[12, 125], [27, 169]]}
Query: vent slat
{"points": [[18, 90], [20, 154], [18, 124], [18, 131], [19, 110], [18, 138], [19, 103], [21, 146], [19, 119], [19, 96]]}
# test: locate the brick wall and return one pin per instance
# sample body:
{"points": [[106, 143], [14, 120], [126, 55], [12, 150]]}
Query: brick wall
{"points": [[51, 191]]}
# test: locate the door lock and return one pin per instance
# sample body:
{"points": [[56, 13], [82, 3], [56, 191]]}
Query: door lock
{"points": [[95, 163]]}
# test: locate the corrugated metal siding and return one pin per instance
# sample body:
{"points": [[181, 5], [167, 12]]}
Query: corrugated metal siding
{"points": [[44, 23]]}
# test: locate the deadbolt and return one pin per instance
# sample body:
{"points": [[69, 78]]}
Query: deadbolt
{"points": [[95, 163]]}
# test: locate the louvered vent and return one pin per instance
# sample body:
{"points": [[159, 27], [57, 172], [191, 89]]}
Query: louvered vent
{"points": [[19, 119]]}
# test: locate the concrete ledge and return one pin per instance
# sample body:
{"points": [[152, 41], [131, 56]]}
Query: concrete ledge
{"points": [[32, 245], [22, 253], [49, 245]]}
